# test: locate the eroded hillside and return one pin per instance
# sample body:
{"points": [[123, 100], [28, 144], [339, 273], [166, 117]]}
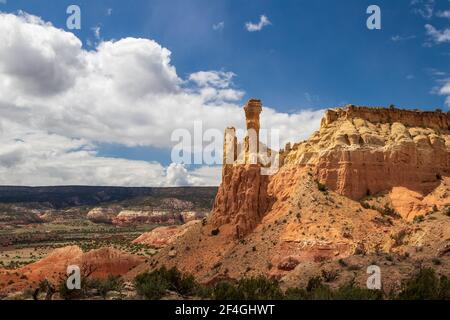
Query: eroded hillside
{"points": [[371, 186]]}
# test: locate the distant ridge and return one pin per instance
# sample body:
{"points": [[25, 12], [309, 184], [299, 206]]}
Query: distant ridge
{"points": [[69, 196]]}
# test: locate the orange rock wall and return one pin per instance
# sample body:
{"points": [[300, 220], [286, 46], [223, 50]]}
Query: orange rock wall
{"points": [[242, 198], [361, 172]]}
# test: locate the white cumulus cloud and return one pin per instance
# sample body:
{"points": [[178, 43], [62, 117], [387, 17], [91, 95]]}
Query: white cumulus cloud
{"points": [[58, 101]]}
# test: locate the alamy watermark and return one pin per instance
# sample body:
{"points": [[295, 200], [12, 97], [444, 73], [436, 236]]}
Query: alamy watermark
{"points": [[73, 281], [73, 22], [374, 20], [374, 279], [213, 147]]}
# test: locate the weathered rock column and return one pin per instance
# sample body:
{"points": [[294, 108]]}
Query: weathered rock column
{"points": [[253, 109], [242, 199]]}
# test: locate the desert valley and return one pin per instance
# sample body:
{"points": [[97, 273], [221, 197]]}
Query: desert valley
{"points": [[370, 187]]}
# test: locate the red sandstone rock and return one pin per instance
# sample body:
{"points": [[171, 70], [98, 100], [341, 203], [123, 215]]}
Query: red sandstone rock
{"points": [[101, 263], [362, 151], [242, 198]]}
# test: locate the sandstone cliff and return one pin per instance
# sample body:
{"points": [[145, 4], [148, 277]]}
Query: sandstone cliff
{"points": [[242, 199], [360, 151], [353, 189], [357, 152]]}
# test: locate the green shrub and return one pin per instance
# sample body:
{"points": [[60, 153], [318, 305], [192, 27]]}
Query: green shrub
{"points": [[342, 263], [322, 187], [365, 205], [388, 211], [447, 211], [154, 285], [330, 275], [351, 292], [66, 293], [112, 283], [436, 261], [225, 291], [259, 288], [316, 290], [296, 294], [426, 286], [419, 219], [151, 286], [321, 292], [444, 290], [103, 286]]}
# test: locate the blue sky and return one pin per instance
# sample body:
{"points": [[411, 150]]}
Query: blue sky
{"points": [[312, 55]]}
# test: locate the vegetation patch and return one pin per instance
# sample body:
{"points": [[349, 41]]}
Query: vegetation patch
{"points": [[321, 187], [155, 285], [426, 285]]}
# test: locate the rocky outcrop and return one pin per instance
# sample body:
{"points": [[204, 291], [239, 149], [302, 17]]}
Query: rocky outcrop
{"points": [[101, 215], [310, 212], [99, 263], [132, 217], [410, 118], [358, 151], [166, 210], [242, 198], [176, 204], [361, 151], [163, 236]]}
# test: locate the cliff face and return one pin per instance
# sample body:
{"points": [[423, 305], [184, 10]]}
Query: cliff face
{"points": [[242, 198], [288, 226], [361, 151], [409, 118], [357, 152]]}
